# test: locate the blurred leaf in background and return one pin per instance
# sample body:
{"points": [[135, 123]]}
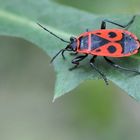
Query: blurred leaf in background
{"points": [[104, 7], [91, 111]]}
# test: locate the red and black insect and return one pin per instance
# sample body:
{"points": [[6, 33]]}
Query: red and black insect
{"points": [[103, 42]]}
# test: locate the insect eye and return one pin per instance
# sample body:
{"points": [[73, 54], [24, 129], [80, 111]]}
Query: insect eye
{"points": [[72, 39]]}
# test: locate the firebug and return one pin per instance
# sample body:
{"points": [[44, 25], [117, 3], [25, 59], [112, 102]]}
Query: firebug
{"points": [[103, 42]]}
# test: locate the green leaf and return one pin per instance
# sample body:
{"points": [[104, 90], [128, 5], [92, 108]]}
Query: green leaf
{"points": [[20, 21]]}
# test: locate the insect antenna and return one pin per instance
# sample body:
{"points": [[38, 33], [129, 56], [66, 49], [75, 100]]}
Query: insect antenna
{"points": [[53, 33]]}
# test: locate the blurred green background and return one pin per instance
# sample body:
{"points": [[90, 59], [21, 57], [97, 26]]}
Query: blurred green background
{"points": [[92, 111], [104, 6]]}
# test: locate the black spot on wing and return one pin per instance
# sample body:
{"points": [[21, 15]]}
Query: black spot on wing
{"points": [[112, 34], [111, 49], [98, 50], [98, 33]]}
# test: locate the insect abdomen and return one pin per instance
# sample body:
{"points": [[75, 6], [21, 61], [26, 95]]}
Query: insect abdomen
{"points": [[129, 44]]}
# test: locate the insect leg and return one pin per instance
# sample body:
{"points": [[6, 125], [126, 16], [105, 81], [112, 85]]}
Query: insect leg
{"points": [[74, 53], [87, 30], [94, 66], [77, 60], [60, 52], [63, 51], [120, 67], [103, 24]]}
